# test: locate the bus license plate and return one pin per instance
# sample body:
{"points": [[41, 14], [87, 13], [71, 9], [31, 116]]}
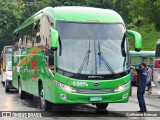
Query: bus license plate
{"points": [[98, 98]]}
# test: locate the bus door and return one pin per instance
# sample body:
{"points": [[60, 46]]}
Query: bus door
{"points": [[156, 69], [156, 73], [23, 70], [156, 77]]}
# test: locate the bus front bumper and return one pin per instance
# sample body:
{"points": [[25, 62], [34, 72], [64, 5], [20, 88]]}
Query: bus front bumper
{"points": [[62, 96]]}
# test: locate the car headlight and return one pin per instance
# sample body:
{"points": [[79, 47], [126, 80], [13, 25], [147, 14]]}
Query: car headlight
{"points": [[66, 87], [122, 87], [8, 75]]}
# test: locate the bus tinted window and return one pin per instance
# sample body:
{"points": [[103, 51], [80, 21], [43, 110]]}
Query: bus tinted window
{"points": [[135, 59], [157, 51], [148, 60], [143, 56]]}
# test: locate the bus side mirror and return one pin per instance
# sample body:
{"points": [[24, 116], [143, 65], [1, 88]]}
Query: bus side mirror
{"points": [[54, 39], [35, 26], [137, 39], [17, 35]]}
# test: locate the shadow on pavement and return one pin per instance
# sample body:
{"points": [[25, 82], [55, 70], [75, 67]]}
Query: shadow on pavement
{"points": [[76, 110]]}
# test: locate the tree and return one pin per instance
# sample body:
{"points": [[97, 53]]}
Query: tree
{"points": [[11, 16], [136, 13], [110, 4]]}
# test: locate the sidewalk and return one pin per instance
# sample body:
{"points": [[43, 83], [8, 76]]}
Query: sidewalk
{"points": [[152, 102]]}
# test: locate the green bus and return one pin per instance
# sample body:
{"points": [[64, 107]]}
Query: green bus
{"points": [[138, 57], [143, 56], [74, 55]]}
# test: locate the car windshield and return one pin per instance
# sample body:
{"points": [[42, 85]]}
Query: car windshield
{"points": [[8, 57], [92, 48], [9, 66]]}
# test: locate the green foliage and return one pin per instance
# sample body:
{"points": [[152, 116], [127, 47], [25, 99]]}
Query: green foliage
{"points": [[10, 17], [121, 8], [140, 15], [101, 3], [149, 37]]}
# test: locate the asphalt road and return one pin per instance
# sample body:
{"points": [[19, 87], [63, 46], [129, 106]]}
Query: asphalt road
{"points": [[11, 102]]}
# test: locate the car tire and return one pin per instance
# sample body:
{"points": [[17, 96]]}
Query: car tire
{"points": [[7, 89]]}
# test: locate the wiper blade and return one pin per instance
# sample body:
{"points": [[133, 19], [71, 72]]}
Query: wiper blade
{"points": [[123, 46], [106, 63], [60, 47], [86, 59], [100, 54], [123, 49]]}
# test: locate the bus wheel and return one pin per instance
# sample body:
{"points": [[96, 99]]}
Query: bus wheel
{"points": [[44, 104], [22, 94], [6, 89], [101, 105]]}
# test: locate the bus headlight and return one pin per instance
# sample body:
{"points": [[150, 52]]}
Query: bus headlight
{"points": [[122, 87], [66, 87]]}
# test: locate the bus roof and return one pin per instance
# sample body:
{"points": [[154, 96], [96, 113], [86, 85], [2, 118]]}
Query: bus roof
{"points": [[76, 14], [143, 53]]}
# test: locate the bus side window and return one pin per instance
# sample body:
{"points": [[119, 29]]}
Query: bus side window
{"points": [[151, 60], [49, 55]]}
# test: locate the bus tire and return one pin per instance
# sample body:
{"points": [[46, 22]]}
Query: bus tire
{"points": [[30, 96], [65, 107], [44, 104], [21, 93], [101, 106]]}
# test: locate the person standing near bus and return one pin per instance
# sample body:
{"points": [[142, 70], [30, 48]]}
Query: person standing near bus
{"points": [[142, 71], [132, 73], [149, 78]]}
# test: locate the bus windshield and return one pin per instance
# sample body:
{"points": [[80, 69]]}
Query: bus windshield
{"points": [[92, 48]]}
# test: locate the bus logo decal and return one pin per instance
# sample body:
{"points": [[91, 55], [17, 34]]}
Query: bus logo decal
{"points": [[96, 84]]}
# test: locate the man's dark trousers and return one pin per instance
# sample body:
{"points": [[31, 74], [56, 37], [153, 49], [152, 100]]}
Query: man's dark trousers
{"points": [[140, 93]]}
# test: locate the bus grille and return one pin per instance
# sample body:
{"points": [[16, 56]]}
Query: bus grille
{"points": [[95, 91]]}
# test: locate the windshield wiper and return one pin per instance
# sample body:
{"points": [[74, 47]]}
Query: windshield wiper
{"points": [[123, 46], [60, 46], [101, 56], [86, 59], [123, 49]]}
